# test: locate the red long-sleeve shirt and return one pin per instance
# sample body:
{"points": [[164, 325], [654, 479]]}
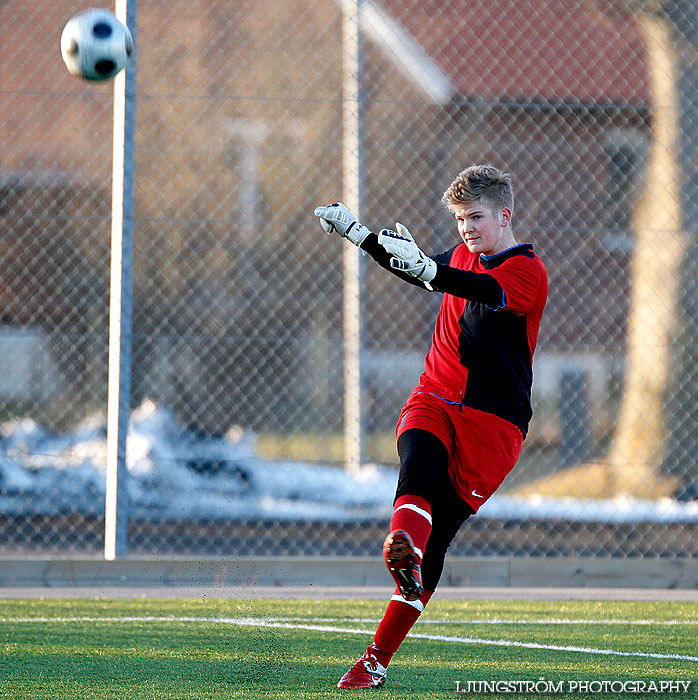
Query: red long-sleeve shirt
{"points": [[486, 331]]}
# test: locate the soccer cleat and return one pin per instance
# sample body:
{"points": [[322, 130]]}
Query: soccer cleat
{"points": [[403, 563], [367, 672]]}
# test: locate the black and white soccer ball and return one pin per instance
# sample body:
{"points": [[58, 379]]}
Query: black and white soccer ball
{"points": [[95, 45]]}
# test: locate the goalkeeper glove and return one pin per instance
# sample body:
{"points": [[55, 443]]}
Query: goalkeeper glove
{"points": [[336, 217], [406, 254]]}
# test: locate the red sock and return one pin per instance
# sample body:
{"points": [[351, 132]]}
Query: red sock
{"points": [[396, 623], [413, 515]]}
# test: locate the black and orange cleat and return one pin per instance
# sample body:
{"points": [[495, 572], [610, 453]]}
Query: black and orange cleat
{"points": [[403, 563]]}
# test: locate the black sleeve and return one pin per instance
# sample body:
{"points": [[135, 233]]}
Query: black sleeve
{"points": [[382, 257], [475, 286], [445, 257]]}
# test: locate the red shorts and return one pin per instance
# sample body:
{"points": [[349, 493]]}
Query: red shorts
{"points": [[483, 448]]}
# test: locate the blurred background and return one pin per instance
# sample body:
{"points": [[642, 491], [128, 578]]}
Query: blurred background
{"points": [[236, 440]]}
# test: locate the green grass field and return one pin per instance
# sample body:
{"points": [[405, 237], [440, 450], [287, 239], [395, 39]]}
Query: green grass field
{"points": [[215, 649]]}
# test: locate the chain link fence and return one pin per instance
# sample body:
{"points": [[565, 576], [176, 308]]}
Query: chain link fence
{"points": [[235, 444]]}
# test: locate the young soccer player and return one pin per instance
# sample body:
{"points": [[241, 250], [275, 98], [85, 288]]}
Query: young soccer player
{"points": [[461, 430]]}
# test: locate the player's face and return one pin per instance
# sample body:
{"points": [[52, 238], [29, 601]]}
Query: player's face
{"points": [[484, 230]]}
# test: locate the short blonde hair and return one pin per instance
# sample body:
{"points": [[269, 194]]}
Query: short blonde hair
{"points": [[483, 184]]}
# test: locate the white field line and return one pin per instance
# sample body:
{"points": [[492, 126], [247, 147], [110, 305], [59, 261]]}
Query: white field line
{"points": [[266, 622], [492, 621]]}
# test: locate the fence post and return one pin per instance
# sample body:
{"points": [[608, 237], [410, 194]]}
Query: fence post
{"points": [[121, 301]]}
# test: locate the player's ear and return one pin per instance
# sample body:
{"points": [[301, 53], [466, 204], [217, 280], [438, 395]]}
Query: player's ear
{"points": [[505, 216]]}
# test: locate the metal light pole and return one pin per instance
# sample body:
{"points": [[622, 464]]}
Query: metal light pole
{"points": [[351, 138]]}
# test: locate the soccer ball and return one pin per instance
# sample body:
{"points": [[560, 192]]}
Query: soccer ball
{"points": [[95, 45]]}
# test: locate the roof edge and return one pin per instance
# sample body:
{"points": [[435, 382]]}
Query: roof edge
{"points": [[405, 52]]}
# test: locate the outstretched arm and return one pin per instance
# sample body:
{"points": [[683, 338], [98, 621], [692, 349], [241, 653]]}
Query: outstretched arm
{"points": [[336, 218], [406, 255], [397, 252]]}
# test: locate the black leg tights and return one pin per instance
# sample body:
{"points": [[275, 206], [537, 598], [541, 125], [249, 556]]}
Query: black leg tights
{"points": [[424, 473]]}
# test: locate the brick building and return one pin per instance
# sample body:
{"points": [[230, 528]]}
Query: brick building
{"points": [[238, 137]]}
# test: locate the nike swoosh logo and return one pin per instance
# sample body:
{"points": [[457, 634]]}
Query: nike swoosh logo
{"points": [[476, 494], [403, 575]]}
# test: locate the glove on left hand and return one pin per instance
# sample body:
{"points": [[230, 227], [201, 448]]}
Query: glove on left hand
{"points": [[406, 253]]}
